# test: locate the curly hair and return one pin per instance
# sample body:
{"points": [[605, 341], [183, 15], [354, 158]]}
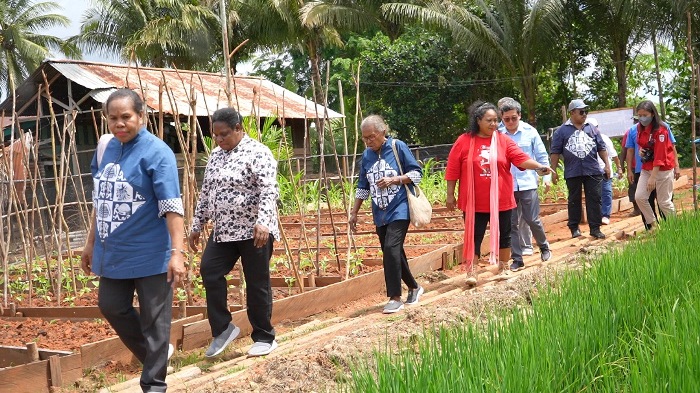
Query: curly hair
{"points": [[477, 111]]}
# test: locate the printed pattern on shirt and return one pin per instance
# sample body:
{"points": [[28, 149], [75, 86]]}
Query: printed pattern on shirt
{"points": [[170, 205], [382, 197], [485, 161], [115, 198], [580, 144], [239, 191]]}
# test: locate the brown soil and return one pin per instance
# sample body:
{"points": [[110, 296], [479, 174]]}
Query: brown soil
{"points": [[315, 353]]}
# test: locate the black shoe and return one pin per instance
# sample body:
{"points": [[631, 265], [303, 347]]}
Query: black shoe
{"points": [[576, 233], [596, 233], [517, 265]]}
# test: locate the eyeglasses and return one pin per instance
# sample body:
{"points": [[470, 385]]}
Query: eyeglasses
{"points": [[583, 112], [369, 138], [510, 119]]}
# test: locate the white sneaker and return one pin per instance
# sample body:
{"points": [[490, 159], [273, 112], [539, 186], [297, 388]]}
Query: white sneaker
{"points": [[527, 251], [171, 351], [605, 221], [261, 348]]}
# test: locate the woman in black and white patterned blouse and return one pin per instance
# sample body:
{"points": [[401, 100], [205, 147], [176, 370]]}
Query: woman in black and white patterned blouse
{"points": [[239, 194]]}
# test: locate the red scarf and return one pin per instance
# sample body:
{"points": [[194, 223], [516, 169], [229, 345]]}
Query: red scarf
{"points": [[470, 212]]}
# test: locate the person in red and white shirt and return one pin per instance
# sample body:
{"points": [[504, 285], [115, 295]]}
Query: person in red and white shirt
{"points": [[658, 161], [480, 160]]}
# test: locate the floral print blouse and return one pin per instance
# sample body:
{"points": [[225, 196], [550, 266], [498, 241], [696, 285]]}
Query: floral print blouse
{"points": [[239, 190]]}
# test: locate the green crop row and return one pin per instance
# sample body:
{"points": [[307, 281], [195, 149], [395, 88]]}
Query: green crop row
{"points": [[627, 323]]}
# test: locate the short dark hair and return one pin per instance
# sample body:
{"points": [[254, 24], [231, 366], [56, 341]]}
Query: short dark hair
{"points": [[477, 111], [136, 101], [651, 108], [228, 116]]}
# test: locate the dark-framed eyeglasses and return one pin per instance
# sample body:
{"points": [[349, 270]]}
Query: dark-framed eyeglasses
{"points": [[583, 112]]}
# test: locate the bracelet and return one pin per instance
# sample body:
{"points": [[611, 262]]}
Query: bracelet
{"points": [[183, 252]]}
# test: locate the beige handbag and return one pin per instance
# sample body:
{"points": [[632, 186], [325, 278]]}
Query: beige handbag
{"points": [[420, 209]]}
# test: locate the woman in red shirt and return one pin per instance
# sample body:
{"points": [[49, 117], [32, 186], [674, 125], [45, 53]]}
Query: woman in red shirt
{"points": [[480, 160], [658, 161]]}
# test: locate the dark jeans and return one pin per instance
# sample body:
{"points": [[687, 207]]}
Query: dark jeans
{"points": [[504, 226], [592, 188], [652, 200], [217, 261], [396, 269], [145, 332]]}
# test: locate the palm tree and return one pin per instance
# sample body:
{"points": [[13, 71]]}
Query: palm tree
{"points": [[516, 35], [23, 47], [350, 15], [157, 33], [277, 24]]}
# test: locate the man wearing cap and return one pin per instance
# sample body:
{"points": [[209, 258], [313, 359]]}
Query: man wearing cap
{"points": [[580, 145], [526, 219]]}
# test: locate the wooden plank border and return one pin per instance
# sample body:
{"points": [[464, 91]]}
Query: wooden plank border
{"points": [[198, 334]]}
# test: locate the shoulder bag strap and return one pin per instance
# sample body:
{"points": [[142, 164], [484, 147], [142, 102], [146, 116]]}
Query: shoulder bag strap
{"points": [[396, 154]]}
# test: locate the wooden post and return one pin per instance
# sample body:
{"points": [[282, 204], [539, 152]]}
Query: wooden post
{"points": [[312, 280], [55, 371], [13, 309], [183, 309], [32, 352]]}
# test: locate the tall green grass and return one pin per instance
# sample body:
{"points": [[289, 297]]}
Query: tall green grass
{"points": [[628, 322]]}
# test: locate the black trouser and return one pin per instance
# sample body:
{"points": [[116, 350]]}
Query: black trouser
{"points": [[396, 269], [652, 200], [218, 260], [145, 332], [592, 188], [504, 229]]}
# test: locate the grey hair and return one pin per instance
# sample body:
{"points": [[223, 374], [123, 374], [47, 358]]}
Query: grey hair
{"points": [[375, 121], [506, 104]]}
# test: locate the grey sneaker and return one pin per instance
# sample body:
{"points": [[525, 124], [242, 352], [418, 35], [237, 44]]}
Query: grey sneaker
{"points": [[545, 254], [220, 342], [262, 348], [393, 306], [414, 295]]}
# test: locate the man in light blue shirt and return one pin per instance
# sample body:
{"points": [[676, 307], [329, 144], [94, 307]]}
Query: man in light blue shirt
{"points": [[525, 182]]}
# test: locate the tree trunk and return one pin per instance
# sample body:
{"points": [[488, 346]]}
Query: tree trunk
{"points": [[314, 57], [620, 60], [529, 93], [662, 106]]}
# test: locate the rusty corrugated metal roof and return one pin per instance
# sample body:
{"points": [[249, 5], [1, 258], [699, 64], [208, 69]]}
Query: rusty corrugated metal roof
{"points": [[251, 94]]}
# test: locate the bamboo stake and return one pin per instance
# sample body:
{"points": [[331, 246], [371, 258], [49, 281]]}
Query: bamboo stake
{"points": [[692, 105], [358, 114]]}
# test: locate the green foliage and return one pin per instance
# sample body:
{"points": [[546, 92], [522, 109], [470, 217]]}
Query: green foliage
{"points": [[23, 46], [410, 81], [159, 33]]}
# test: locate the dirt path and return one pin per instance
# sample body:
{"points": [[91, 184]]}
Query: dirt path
{"points": [[314, 354]]}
